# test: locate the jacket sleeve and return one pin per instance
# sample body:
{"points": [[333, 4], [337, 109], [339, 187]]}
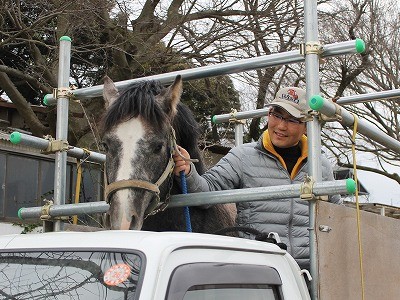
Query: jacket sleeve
{"points": [[225, 175]]}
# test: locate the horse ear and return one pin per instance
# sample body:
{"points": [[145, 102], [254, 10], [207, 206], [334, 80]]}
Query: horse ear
{"points": [[110, 92], [173, 96]]}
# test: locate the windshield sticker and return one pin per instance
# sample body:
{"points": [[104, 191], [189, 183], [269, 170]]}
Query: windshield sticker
{"points": [[117, 274]]}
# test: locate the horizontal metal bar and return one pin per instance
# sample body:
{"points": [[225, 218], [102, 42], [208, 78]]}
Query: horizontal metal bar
{"points": [[375, 96], [342, 101], [42, 144], [260, 193], [254, 63], [204, 198], [369, 130], [64, 210], [241, 115]]}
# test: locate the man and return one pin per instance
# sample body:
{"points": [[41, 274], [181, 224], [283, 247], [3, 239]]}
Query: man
{"points": [[278, 158]]}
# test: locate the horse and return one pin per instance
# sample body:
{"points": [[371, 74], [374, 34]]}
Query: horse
{"points": [[140, 130]]}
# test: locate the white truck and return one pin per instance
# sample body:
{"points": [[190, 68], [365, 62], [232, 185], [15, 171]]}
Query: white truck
{"points": [[146, 265]]}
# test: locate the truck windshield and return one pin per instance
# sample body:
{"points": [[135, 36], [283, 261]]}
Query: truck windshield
{"points": [[69, 275]]}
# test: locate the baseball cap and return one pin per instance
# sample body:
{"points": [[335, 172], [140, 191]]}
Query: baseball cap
{"points": [[293, 100]]}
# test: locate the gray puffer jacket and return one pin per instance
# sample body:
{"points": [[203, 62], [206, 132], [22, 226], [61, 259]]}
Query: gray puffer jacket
{"points": [[252, 165]]}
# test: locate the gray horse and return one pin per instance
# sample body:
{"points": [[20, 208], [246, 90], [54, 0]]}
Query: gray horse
{"points": [[140, 130]]}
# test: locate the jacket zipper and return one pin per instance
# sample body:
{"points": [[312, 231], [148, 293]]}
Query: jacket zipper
{"points": [[290, 225]]}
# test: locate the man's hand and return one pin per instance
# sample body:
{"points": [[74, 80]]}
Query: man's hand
{"points": [[180, 163]]}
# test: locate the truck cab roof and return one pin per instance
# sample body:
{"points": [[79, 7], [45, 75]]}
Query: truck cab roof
{"points": [[130, 239], [145, 265]]}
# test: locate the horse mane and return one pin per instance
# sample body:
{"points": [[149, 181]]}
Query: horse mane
{"points": [[137, 100]]}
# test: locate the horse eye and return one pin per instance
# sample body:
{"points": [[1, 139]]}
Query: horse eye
{"points": [[157, 148], [104, 146]]}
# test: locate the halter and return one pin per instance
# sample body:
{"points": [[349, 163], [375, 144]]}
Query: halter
{"points": [[156, 205]]}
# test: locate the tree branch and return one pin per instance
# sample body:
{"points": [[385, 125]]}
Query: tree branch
{"points": [[22, 106], [32, 81], [393, 176]]}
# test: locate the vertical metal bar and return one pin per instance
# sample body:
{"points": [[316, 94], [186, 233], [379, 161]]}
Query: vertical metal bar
{"points": [[238, 133], [62, 125], [313, 131], [383, 212]]}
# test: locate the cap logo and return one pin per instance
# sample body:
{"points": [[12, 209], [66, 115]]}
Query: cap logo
{"points": [[291, 95]]}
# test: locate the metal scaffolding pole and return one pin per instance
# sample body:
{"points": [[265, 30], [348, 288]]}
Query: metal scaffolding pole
{"points": [[331, 109], [43, 144], [261, 112], [347, 186], [254, 63], [391, 94], [312, 51], [238, 133], [240, 115], [62, 124]]}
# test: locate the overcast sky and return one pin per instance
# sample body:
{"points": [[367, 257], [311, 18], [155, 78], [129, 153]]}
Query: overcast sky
{"points": [[382, 190]]}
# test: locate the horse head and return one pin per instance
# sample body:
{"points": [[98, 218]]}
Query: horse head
{"points": [[138, 138]]}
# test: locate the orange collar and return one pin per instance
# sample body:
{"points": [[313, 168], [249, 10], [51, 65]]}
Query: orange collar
{"points": [[266, 140]]}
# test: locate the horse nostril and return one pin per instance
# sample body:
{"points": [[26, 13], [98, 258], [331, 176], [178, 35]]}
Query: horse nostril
{"points": [[133, 222], [136, 224], [107, 220]]}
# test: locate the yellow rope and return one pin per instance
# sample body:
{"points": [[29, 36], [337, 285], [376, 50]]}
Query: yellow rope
{"points": [[360, 251], [79, 180], [77, 188]]}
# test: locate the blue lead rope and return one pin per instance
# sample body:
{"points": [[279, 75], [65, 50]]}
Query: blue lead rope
{"points": [[186, 208]]}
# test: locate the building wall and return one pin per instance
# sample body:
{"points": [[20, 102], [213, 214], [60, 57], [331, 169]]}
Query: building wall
{"points": [[10, 117], [27, 178]]}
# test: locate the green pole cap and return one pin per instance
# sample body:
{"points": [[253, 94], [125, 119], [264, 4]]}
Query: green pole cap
{"points": [[213, 119], [351, 186], [65, 38], [19, 213], [45, 100], [15, 137], [360, 46], [316, 102]]}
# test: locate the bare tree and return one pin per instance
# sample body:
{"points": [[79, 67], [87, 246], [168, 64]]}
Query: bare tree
{"points": [[134, 39], [377, 23], [262, 28]]}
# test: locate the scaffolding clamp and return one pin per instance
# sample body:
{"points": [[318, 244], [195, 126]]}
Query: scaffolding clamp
{"points": [[45, 216], [306, 190], [311, 48], [55, 146], [62, 93], [321, 117], [233, 118], [307, 116], [45, 212]]}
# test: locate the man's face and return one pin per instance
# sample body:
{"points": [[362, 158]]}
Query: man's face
{"points": [[283, 129]]}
